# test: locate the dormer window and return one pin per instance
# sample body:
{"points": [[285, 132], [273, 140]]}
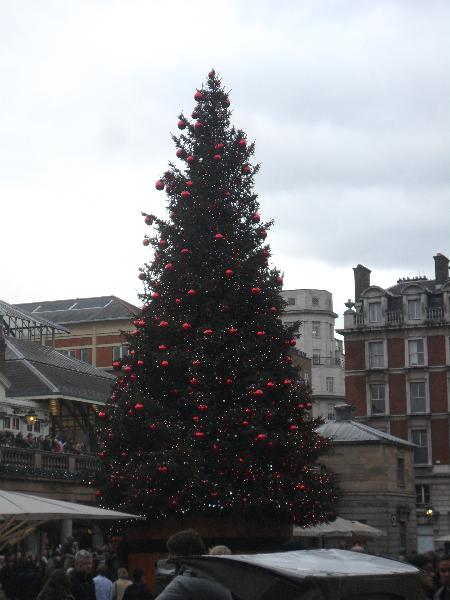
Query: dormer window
{"points": [[414, 310], [374, 312]]}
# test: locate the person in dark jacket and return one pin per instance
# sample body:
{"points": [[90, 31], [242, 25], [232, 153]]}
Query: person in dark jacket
{"points": [[81, 582], [57, 587], [138, 590]]}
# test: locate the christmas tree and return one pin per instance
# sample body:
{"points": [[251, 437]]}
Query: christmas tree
{"points": [[209, 415]]}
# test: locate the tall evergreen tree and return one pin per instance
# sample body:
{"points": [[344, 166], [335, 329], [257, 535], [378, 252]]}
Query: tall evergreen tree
{"points": [[209, 414]]}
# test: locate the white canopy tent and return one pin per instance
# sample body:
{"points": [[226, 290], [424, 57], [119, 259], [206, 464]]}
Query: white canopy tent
{"points": [[21, 513], [340, 528]]}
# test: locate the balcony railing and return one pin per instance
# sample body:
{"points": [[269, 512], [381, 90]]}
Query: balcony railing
{"points": [[326, 361], [394, 317], [41, 464], [435, 314]]}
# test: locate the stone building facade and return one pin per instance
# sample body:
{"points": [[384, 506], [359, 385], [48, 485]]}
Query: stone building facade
{"points": [[397, 344], [314, 308], [376, 477]]}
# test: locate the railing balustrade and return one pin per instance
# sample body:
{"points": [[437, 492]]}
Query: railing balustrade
{"points": [[435, 314], [47, 461]]}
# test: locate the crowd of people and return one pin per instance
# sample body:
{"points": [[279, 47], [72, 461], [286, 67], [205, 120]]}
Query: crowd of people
{"points": [[68, 573], [45, 443]]}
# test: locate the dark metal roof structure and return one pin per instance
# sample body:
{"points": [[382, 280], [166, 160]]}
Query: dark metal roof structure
{"points": [[40, 372], [18, 322], [81, 310], [356, 432]]}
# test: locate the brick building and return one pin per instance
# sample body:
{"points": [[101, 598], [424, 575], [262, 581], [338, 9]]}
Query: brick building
{"points": [[397, 343], [94, 325]]}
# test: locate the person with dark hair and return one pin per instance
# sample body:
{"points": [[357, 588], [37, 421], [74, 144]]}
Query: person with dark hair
{"points": [[187, 584], [103, 585], [57, 587], [443, 592], [426, 573], [81, 582], [138, 590]]}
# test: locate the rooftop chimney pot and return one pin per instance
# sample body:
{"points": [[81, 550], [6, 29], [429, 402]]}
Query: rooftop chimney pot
{"points": [[362, 280], [440, 268]]}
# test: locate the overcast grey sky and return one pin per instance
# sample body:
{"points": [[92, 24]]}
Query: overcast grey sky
{"points": [[347, 100]]}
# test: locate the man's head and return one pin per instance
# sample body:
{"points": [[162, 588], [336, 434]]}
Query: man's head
{"points": [[138, 574], [444, 570], [102, 569], [83, 562], [186, 543]]}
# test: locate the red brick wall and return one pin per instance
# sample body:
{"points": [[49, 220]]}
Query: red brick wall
{"points": [[355, 393], [397, 394], [396, 353], [436, 350], [104, 357], [73, 342], [438, 391], [399, 429], [354, 355], [439, 440], [116, 339]]}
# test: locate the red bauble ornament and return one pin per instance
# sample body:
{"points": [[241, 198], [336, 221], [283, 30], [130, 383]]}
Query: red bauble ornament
{"points": [[256, 291], [163, 324], [190, 159], [262, 233], [292, 342], [196, 362], [299, 486], [191, 292], [180, 153], [140, 363], [98, 493], [152, 426], [266, 253], [186, 326], [162, 243], [232, 330], [258, 393], [189, 183], [288, 359], [242, 143], [185, 194], [181, 124], [136, 332], [229, 272], [101, 414], [117, 365], [149, 219], [133, 377], [224, 308], [279, 280], [142, 276], [226, 101], [287, 382], [202, 407], [177, 301], [218, 236], [196, 418], [168, 267], [194, 381], [211, 74], [208, 332], [260, 333], [246, 169], [217, 157], [261, 436], [194, 115], [244, 423], [138, 406], [199, 434], [102, 454], [293, 427], [128, 368], [141, 323], [145, 308], [145, 242], [228, 381], [185, 250], [219, 146], [308, 406], [163, 468], [155, 295], [164, 363], [162, 347], [199, 96], [198, 125], [270, 385], [256, 218]]}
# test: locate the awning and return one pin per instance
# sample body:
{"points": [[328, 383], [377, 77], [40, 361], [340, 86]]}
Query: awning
{"points": [[340, 528]]}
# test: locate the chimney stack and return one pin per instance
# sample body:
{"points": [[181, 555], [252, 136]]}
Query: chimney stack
{"points": [[343, 412], [440, 268], [2, 352], [362, 280]]}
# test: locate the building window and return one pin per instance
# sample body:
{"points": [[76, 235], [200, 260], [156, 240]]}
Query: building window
{"points": [[120, 352], [316, 329], [72, 353], [417, 397], [376, 355], [330, 412], [422, 494], [316, 357], [330, 384], [378, 399], [416, 353], [375, 312], [84, 356], [6, 422], [37, 427], [414, 310], [15, 422], [291, 301], [419, 437], [400, 472], [315, 301]]}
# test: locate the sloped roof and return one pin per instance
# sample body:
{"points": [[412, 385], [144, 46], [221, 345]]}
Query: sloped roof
{"points": [[41, 372], [17, 312], [356, 432], [81, 310]]}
